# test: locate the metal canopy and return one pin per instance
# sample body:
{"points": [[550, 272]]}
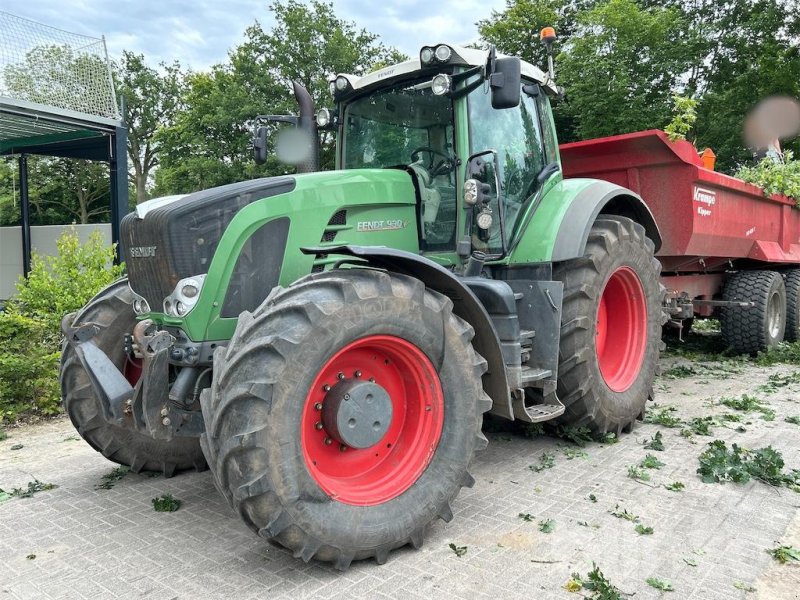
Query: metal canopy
{"points": [[28, 127]]}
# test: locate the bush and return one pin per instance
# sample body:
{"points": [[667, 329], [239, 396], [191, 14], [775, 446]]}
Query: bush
{"points": [[775, 177], [60, 284], [28, 367], [30, 325]]}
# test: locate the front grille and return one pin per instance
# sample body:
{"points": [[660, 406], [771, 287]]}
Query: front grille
{"points": [[179, 239]]}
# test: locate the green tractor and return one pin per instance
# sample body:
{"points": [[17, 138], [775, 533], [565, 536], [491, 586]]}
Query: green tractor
{"points": [[328, 342]]}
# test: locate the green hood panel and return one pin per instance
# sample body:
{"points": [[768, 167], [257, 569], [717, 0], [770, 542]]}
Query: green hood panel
{"points": [[380, 210]]}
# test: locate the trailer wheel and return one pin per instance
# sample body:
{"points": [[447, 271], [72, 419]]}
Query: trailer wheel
{"points": [[610, 327], [112, 309], [750, 330], [791, 280], [344, 414]]}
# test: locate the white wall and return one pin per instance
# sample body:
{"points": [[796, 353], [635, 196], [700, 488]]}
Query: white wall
{"points": [[43, 241]]}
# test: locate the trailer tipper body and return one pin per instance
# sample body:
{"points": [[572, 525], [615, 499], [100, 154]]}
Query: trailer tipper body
{"points": [[724, 243]]}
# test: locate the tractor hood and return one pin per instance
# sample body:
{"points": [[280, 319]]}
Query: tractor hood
{"points": [[240, 240]]}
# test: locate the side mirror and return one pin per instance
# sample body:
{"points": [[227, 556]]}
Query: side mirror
{"points": [[260, 146], [505, 82]]}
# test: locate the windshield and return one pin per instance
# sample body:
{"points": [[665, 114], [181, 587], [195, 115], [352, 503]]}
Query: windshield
{"points": [[384, 128], [406, 124]]}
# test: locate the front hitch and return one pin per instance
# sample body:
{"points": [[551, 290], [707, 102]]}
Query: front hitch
{"points": [[145, 407]]}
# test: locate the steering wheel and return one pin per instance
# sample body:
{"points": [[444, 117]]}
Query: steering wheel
{"points": [[445, 165]]}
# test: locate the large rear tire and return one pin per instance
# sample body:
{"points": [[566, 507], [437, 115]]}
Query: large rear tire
{"points": [[292, 456], [751, 330], [610, 327], [112, 310]]}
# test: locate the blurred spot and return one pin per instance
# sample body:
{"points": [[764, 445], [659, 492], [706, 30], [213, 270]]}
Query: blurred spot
{"points": [[774, 118]]}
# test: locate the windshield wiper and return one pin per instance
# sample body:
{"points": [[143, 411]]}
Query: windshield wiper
{"points": [[548, 170]]}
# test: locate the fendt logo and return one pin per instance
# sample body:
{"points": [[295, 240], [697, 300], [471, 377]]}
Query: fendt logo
{"points": [[385, 225], [143, 251]]}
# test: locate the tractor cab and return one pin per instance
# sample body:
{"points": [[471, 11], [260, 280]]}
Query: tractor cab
{"points": [[475, 131]]}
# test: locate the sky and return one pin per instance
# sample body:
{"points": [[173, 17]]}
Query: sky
{"points": [[198, 33]]}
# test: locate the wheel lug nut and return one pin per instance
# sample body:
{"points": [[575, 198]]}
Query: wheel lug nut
{"points": [[318, 406], [166, 422], [372, 379], [342, 448], [340, 376], [326, 388], [347, 396], [328, 441], [318, 425], [357, 373]]}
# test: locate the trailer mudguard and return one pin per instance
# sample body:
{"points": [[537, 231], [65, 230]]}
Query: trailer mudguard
{"points": [[601, 197], [559, 225], [465, 304]]}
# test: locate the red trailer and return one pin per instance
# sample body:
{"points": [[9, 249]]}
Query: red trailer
{"points": [[726, 246]]}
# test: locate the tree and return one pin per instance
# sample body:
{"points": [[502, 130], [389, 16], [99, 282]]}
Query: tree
{"points": [[208, 144], [151, 100], [622, 67]]}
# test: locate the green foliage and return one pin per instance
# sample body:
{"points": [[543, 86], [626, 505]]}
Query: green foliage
{"points": [[599, 585], [571, 453], [527, 517], [784, 352], [639, 474], [28, 367], [664, 417], [34, 487], [660, 584], [777, 381], [685, 115], [775, 177], [547, 526], [622, 55], [60, 284], [29, 326], [740, 585], [644, 530], [655, 443], [794, 420], [166, 503], [784, 554], [651, 462], [718, 464], [546, 461], [592, 498], [675, 486], [701, 425], [624, 514], [577, 435], [111, 479], [459, 551]]}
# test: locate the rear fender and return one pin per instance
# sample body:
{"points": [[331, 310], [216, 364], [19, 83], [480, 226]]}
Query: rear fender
{"points": [[465, 304], [600, 198]]}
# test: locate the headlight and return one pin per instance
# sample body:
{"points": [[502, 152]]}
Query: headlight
{"points": [[140, 305], [323, 117], [341, 83], [440, 84], [443, 53], [183, 298], [426, 55], [470, 191], [332, 87]]}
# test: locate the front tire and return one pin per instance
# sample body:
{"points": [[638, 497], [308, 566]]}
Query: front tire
{"points": [[791, 281], [322, 481], [112, 310], [610, 327]]}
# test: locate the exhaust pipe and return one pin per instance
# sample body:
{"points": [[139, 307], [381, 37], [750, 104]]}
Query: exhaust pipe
{"points": [[307, 124]]}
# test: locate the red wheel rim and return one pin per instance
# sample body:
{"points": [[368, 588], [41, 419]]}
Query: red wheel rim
{"points": [[369, 476], [621, 330]]}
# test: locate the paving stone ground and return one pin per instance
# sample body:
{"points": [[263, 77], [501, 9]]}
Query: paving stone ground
{"points": [[96, 543]]}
